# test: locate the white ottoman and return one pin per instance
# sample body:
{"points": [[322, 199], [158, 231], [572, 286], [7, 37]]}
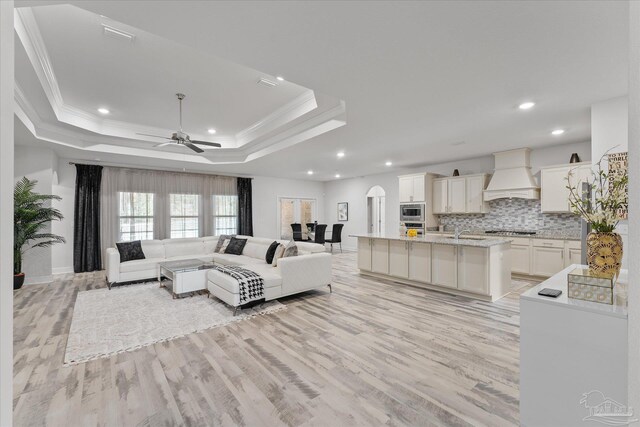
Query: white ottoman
{"points": [[225, 287]]}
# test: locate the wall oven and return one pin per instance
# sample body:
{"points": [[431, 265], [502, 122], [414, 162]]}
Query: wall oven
{"points": [[412, 212]]}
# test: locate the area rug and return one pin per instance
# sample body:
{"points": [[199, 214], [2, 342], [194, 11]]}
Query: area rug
{"points": [[106, 322]]}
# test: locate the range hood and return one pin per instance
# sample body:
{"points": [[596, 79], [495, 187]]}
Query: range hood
{"points": [[512, 177]]}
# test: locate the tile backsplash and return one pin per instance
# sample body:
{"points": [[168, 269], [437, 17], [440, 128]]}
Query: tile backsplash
{"points": [[515, 214]]}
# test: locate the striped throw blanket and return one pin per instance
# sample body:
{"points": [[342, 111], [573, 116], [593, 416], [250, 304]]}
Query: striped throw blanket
{"points": [[251, 284]]}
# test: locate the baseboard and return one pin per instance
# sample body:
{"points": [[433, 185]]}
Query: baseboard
{"points": [[37, 280], [62, 270]]}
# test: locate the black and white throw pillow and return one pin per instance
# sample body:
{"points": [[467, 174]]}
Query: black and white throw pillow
{"points": [[130, 251], [290, 250], [235, 246], [271, 252], [221, 240]]}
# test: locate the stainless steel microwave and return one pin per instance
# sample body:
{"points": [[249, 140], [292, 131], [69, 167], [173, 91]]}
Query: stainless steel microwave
{"points": [[412, 212]]}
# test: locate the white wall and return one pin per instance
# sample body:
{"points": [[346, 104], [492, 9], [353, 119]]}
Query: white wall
{"points": [[634, 206], [6, 211], [38, 164], [62, 256], [609, 127], [266, 192], [354, 190]]}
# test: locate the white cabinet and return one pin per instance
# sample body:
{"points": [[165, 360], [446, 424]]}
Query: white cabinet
{"points": [[473, 269], [457, 195], [364, 253], [380, 256], [440, 196], [444, 265], [412, 188], [547, 257], [420, 262], [572, 253], [521, 259], [461, 194], [554, 195], [475, 185], [399, 258]]}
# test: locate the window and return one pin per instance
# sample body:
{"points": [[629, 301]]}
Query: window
{"points": [[185, 215], [135, 216], [225, 215]]}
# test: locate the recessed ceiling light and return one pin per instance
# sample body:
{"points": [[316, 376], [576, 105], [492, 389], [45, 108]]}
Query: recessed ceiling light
{"points": [[388, 164], [103, 110], [211, 131], [341, 154], [280, 78], [557, 132], [309, 172], [337, 175], [526, 105]]}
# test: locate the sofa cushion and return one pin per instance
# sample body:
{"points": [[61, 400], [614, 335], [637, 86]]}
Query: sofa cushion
{"points": [[140, 265], [210, 243], [278, 254], [222, 239], [308, 247], [178, 247], [228, 259], [271, 252], [290, 250], [255, 249], [130, 251], [153, 248], [235, 246], [270, 277]]}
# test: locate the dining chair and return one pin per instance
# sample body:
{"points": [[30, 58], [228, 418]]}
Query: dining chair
{"points": [[336, 236], [311, 225], [297, 231], [320, 233]]}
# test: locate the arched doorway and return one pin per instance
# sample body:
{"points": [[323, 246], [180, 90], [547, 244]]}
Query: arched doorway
{"points": [[375, 210]]}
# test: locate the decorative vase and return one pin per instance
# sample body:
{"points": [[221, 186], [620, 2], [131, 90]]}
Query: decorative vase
{"points": [[18, 281], [574, 158], [604, 253], [456, 172]]}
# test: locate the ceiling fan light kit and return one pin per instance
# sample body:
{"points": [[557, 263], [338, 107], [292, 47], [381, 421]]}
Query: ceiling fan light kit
{"points": [[182, 138]]}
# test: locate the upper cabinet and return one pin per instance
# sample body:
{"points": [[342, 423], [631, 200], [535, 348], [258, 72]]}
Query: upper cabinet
{"points": [[413, 188], [554, 194], [459, 194]]}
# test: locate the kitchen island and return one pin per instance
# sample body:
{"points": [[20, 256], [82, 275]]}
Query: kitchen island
{"points": [[474, 266]]}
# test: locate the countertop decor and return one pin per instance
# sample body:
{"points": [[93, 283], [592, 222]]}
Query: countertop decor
{"points": [[601, 211]]}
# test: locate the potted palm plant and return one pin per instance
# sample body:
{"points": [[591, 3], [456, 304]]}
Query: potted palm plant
{"points": [[601, 210], [31, 217]]}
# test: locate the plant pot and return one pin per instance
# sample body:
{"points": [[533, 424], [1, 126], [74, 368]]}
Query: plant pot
{"points": [[18, 281], [604, 254]]}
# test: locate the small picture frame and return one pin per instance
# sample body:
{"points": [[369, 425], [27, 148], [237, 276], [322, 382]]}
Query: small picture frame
{"points": [[343, 211]]}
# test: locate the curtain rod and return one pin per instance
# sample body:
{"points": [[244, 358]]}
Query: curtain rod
{"points": [[158, 170]]}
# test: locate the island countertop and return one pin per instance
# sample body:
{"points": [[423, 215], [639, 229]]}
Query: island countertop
{"points": [[477, 242]]}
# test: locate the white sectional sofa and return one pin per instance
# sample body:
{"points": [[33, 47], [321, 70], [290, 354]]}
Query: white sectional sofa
{"points": [[309, 270]]}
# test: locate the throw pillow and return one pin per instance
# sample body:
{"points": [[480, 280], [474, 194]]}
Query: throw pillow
{"points": [[278, 255], [130, 251], [290, 250], [221, 240], [235, 246], [271, 252]]}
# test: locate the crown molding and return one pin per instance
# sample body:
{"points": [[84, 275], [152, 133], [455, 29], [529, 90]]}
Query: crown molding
{"points": [[292, 123]]}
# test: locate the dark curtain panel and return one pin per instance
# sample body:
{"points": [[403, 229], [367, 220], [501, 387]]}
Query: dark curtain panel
{"points": [[245, 216], [86, 221]]}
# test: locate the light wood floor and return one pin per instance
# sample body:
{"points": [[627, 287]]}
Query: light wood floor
{"points": [[371, 353]]}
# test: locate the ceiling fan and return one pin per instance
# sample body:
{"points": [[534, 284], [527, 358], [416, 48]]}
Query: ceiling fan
{"points": [[182, 138]]}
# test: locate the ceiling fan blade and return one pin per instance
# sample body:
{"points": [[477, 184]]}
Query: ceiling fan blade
{"points": [[155, 136], [211, 144], [163, 144], [193, 147]]}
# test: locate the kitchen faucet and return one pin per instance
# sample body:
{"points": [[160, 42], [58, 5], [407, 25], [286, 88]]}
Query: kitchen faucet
{"points": [[457, 233]]}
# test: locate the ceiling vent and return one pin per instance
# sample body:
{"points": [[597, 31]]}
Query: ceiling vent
{"points": [[267, 82], [115, 33]]}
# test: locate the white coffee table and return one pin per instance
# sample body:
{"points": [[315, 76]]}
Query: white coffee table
{"points": [[187, 275]]}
